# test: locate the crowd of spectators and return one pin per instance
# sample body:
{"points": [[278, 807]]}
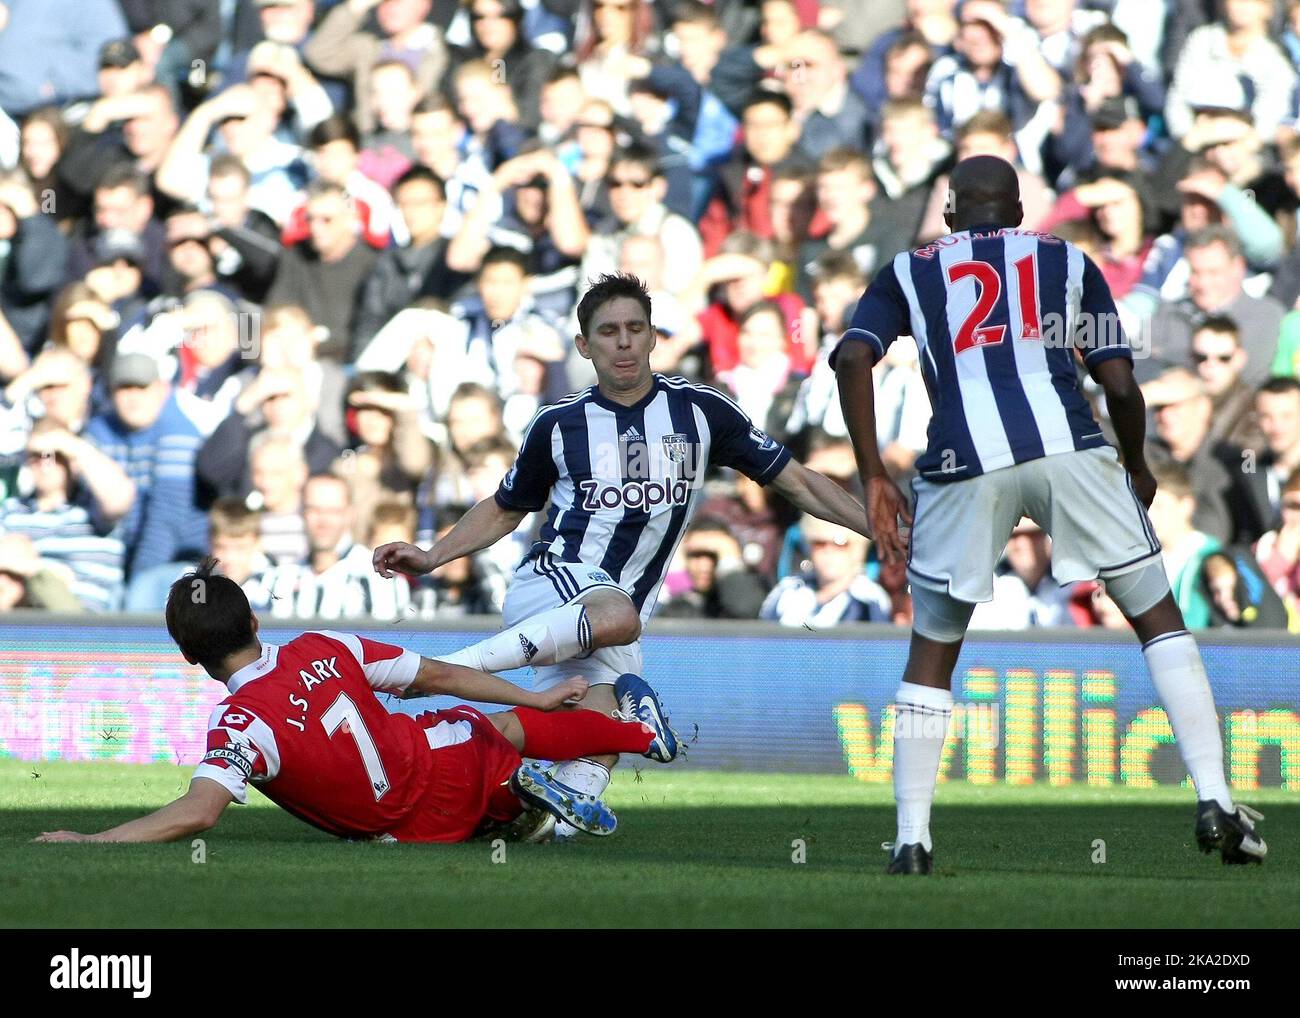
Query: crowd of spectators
{"points": [[282, 280]]}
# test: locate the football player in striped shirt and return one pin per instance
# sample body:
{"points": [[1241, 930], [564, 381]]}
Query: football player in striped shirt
{"points": [[999, 315], [622, 466]]}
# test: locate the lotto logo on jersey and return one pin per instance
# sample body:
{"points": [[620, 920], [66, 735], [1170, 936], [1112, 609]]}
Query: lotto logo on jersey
{"points": [[634, 494]]}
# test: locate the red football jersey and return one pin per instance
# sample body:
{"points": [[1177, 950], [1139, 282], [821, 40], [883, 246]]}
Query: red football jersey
{"points": [[303, 724]]}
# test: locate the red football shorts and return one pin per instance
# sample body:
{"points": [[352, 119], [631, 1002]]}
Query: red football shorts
{"points": [[471, 760]]}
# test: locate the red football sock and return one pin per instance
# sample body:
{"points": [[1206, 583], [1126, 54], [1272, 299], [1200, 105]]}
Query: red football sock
{"points": [[569, 734]]}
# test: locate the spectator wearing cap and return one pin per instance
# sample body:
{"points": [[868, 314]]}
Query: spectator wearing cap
{"points": [[1216, 273], [988, 133], [827, 112], [1025, 593], [149, 436], [47, 50], [719, 584], [28, 582], [995, 64], [637, 190], [1220, 360], [325, 276], [345, 45], [404, 273], [496, 35], [1235, 54], [78, 495], [1257, 495], [743, 196], [33, 267], [833, 587], [124, 208], [1182, 411]]}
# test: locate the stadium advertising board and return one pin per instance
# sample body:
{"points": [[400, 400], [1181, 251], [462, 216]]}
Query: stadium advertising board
{"points": [[1063, 708]]}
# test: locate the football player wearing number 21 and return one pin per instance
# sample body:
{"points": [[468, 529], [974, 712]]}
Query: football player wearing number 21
{"points": [[999, 315], [622, 466]]}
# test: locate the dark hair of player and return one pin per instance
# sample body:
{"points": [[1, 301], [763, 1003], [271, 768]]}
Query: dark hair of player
{"points": [[983, 190], [208, 616], [611, 286]]}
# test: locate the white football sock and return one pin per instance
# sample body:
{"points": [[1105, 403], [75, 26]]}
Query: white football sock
{"points": [[1181, 683], [920, 726], [543, 639], [585, 776]]}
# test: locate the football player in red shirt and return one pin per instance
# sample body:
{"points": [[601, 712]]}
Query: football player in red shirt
{"points": [[303, 724]]}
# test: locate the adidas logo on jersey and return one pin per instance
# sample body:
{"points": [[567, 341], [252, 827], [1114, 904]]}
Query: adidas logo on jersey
{"points": [[632, 435]]}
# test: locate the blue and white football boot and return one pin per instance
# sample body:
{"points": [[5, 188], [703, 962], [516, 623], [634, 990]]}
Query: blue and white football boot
{"points": [[541, 791], [637, 701]]}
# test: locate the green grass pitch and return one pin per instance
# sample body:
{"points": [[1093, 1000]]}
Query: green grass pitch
{"points": [[693, 849]]}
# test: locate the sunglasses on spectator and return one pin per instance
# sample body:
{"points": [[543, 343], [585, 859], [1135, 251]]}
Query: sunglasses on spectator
{"points": [[1218, 358]]}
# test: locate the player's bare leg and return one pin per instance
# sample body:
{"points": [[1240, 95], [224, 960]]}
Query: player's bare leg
{"points": [[1178, 674]]}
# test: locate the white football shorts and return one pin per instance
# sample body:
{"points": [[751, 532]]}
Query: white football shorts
{"points": [[1082, 499], [544, 582]]}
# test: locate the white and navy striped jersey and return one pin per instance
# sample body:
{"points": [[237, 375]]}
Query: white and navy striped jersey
{"points": [[624, 481], [997, 315]]}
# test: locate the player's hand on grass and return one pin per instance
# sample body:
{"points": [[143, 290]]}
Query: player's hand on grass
{"points": [[1144, 485], [400, 557], [885, 505], [567, 693]]}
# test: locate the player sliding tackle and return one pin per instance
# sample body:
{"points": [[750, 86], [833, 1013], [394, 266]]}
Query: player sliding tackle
{"points": [[622, 465], [303, 725], [998, 315]]}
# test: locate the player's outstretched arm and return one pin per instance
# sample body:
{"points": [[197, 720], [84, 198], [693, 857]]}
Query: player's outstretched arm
{"points": [[195, 811], [1128, 413], [817, 494], [439, 678], [885, 503], [479, 528]]}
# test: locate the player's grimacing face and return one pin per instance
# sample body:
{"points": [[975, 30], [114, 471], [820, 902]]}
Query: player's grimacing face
{"points": [[618, 343]]}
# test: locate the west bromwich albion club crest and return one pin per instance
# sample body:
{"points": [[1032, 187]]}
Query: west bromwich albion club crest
{"points": [[676, 447]]}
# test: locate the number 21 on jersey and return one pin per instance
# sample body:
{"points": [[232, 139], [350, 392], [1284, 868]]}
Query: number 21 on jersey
{"points": [[974, 331]]}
